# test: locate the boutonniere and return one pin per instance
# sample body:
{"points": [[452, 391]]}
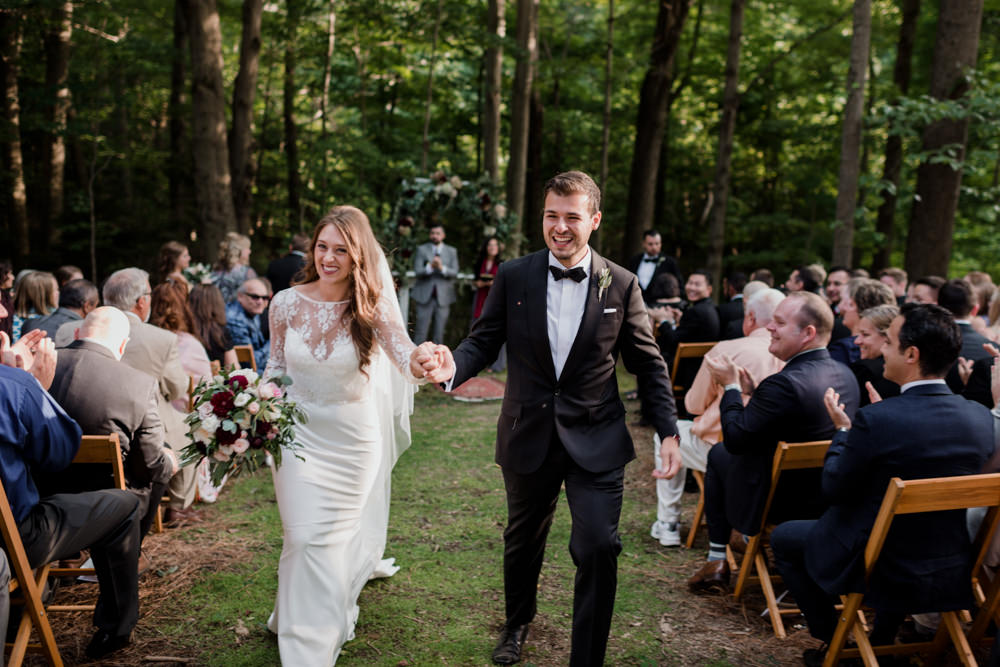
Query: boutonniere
{"points": [[659, 260], [603, 281]]}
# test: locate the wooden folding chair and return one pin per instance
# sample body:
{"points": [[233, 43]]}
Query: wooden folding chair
{"points": [[93, 449], [687, 351], [30, 582], [912, 497], [216, 366], [787, 456], [699, 510], [244, 355]]}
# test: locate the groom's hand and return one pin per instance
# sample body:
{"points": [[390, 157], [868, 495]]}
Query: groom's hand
{"points": [[670, 457], [442, 368], [423, 359]]}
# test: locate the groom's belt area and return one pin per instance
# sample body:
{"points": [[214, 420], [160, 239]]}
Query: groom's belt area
{"points": [[568, 411]]}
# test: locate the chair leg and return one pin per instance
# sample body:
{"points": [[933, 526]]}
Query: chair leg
{"points": [[158, 519], [844, 625], [753, 547], [988, 612], [954, 627], [699, 511], [772, 602]]}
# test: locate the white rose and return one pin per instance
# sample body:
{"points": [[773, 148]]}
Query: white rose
{"points": [[244, 421], [242, 399], [210, 423], [205, 409], [203, 436]]}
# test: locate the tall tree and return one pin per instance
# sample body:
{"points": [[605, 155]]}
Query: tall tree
{"points": [[850, 137], [57, 45], [425, 143], [213, 186], [727, 130], [10, 51], [496, 29], [241, 164], [520, 116], [291, 129], [324, 103], [885, 223], [651, 121], [932, 223], [609, 54], [180, 156]]}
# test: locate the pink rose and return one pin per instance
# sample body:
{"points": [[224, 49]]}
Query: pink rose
{"points": [[253, 408], [269, 390], [241, 445], [272, 435]]}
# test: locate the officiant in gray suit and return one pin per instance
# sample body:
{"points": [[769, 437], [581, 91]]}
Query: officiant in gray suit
{"points": [[436, 266]]}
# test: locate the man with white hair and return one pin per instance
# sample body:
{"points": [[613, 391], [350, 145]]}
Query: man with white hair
{"points": [[105, 396], [697, 437]]}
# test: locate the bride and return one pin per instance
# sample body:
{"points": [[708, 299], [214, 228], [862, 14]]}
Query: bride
{"points": [[336, 334]]}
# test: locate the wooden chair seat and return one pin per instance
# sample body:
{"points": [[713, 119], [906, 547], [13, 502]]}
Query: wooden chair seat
{"points": [[244, 355], [687, 351]]}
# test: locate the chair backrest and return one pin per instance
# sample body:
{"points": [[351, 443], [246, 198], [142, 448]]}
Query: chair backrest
{"points": [[244, 355], [103, 449], [216, 366], [191, 385], [688, 351], [794, 456], [936, 494]]}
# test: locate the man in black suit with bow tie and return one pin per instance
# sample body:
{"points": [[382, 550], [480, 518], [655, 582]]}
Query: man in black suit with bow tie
{"points": [[565, 314], [652, 263]]}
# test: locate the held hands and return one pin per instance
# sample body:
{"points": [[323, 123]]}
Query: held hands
{"points": [[835, 408], [433, 362], [724, 371], [436, 263], [34, 352], [670, 456]]}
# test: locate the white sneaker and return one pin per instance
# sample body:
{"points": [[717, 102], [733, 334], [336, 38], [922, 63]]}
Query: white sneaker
{"points": [[668, 534]]}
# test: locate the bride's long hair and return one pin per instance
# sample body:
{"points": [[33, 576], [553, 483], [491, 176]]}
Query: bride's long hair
{"points": [[364, 283]]}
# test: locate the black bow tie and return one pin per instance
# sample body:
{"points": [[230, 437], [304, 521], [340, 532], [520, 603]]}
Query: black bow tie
{"points": [[650, 259], [576, 273]]}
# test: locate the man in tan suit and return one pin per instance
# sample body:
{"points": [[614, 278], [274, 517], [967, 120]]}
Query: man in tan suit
{"points": [[154, 351], [703, 398]]}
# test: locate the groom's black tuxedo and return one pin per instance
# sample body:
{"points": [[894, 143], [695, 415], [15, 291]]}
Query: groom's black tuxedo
{"points": [[568, 429]]}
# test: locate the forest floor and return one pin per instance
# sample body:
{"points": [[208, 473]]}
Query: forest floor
{"points": [[211, 587]]}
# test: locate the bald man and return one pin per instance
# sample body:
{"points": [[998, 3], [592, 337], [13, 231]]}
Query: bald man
{"points": [[106, 396], [245, 321]]}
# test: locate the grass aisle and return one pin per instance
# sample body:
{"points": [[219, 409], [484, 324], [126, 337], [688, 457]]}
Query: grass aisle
{"points": [[445, 606]]}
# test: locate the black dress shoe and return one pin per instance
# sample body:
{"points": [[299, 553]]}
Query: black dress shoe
{"points": [[104, 643], [508, 649]]}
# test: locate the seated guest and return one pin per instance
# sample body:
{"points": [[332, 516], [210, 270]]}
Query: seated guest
{"points": [[7, 296], [106, 396], [76, 299], [804, 279], [925, 290], [244, 322], [834, 290], [956, 297], [703, 398], [763, 275], [174, 258], [785, 406], [869, 368], [698, 323], [37, 436], [232, 268], [859, 295], [983, 290], [209, 313], [925, 432], [66, 273], [895, 278], [731, 312], [282, 271], [35, 294]]}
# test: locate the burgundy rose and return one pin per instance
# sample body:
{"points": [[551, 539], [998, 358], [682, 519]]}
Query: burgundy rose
{"points": [[238, 382], [225, 437], [405, 253], [202, 449], [262, 427], [222, 403], [406, 221], [257, 442]]}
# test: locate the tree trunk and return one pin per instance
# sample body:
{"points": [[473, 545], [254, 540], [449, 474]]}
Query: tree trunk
{"points": [[122, 140], [241, 164], [928, 244], [534, 182], [179, 172], [496, 28], [520, 118], [885, 223], [213, 187], [291, 130], [606, 118], [57, 44], [850, 137], [425, 143], [10, 51], [324, 103], [727, 130], [651, 120]]}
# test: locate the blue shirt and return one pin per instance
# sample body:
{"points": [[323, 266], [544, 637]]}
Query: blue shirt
{"points": [[245, 329], [35, 433]]}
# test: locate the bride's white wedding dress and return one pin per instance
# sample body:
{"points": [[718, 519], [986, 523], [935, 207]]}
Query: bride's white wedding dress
{"points": [[334, 503]]}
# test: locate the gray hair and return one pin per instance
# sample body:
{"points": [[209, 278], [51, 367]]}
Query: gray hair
{"points": [[752, 288], [763, 305], [125, 287]]}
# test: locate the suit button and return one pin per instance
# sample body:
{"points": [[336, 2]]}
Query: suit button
{"points": [[556, 393], [545, 405]]}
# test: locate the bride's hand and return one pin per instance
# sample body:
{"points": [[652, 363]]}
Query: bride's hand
{"points": [[423, 359], [442, 368]]}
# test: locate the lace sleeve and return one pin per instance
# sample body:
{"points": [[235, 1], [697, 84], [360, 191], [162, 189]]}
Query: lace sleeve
{"points": [[278, 323], [392, 337]]}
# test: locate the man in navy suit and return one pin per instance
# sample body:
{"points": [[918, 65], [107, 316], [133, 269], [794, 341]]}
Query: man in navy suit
{"points": [[924, 432], [565, 313], [785, 406]]}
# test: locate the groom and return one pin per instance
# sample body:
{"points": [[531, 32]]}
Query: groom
{"points": [[565, 314]]}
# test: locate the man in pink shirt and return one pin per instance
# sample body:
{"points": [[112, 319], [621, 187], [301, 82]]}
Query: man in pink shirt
{"points": [[698, 436]]}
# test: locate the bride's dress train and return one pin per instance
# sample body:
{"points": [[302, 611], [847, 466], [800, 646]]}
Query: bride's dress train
{"points": [[334, 502]]}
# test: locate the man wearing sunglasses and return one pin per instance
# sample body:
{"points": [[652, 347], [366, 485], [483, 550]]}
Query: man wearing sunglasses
{"points": [[244, 320]]}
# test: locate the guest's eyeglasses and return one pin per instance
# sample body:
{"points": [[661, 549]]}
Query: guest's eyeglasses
{"points": [[258, 297]]}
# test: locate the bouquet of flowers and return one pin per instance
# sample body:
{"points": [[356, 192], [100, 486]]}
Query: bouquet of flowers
{"points": [[198, 274], [238, 419]]}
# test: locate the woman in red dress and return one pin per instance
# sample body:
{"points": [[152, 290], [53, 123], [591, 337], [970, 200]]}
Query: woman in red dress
{"points": [[486, 269]]}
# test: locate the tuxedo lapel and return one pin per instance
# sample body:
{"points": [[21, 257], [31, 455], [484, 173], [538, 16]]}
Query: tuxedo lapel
{"points": [[592, 312], [535, 293]]}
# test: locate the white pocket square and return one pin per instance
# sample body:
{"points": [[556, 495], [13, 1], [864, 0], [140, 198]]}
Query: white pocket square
{"points": [[610, 310]]}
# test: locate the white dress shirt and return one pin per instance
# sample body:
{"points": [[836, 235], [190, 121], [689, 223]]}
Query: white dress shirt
{"points": [[564, 303], [645, 271]]}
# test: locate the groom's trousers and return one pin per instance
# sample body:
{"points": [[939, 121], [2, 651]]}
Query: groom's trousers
{"points": [[595, 503]]}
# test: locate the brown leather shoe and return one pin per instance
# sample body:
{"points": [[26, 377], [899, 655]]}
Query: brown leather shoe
{"points": [[175, 517], [712, 577], [508, 648], [736, 543]]}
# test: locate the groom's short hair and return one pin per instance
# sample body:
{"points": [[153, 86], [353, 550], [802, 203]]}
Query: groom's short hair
{"points": [[576, 183]]}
